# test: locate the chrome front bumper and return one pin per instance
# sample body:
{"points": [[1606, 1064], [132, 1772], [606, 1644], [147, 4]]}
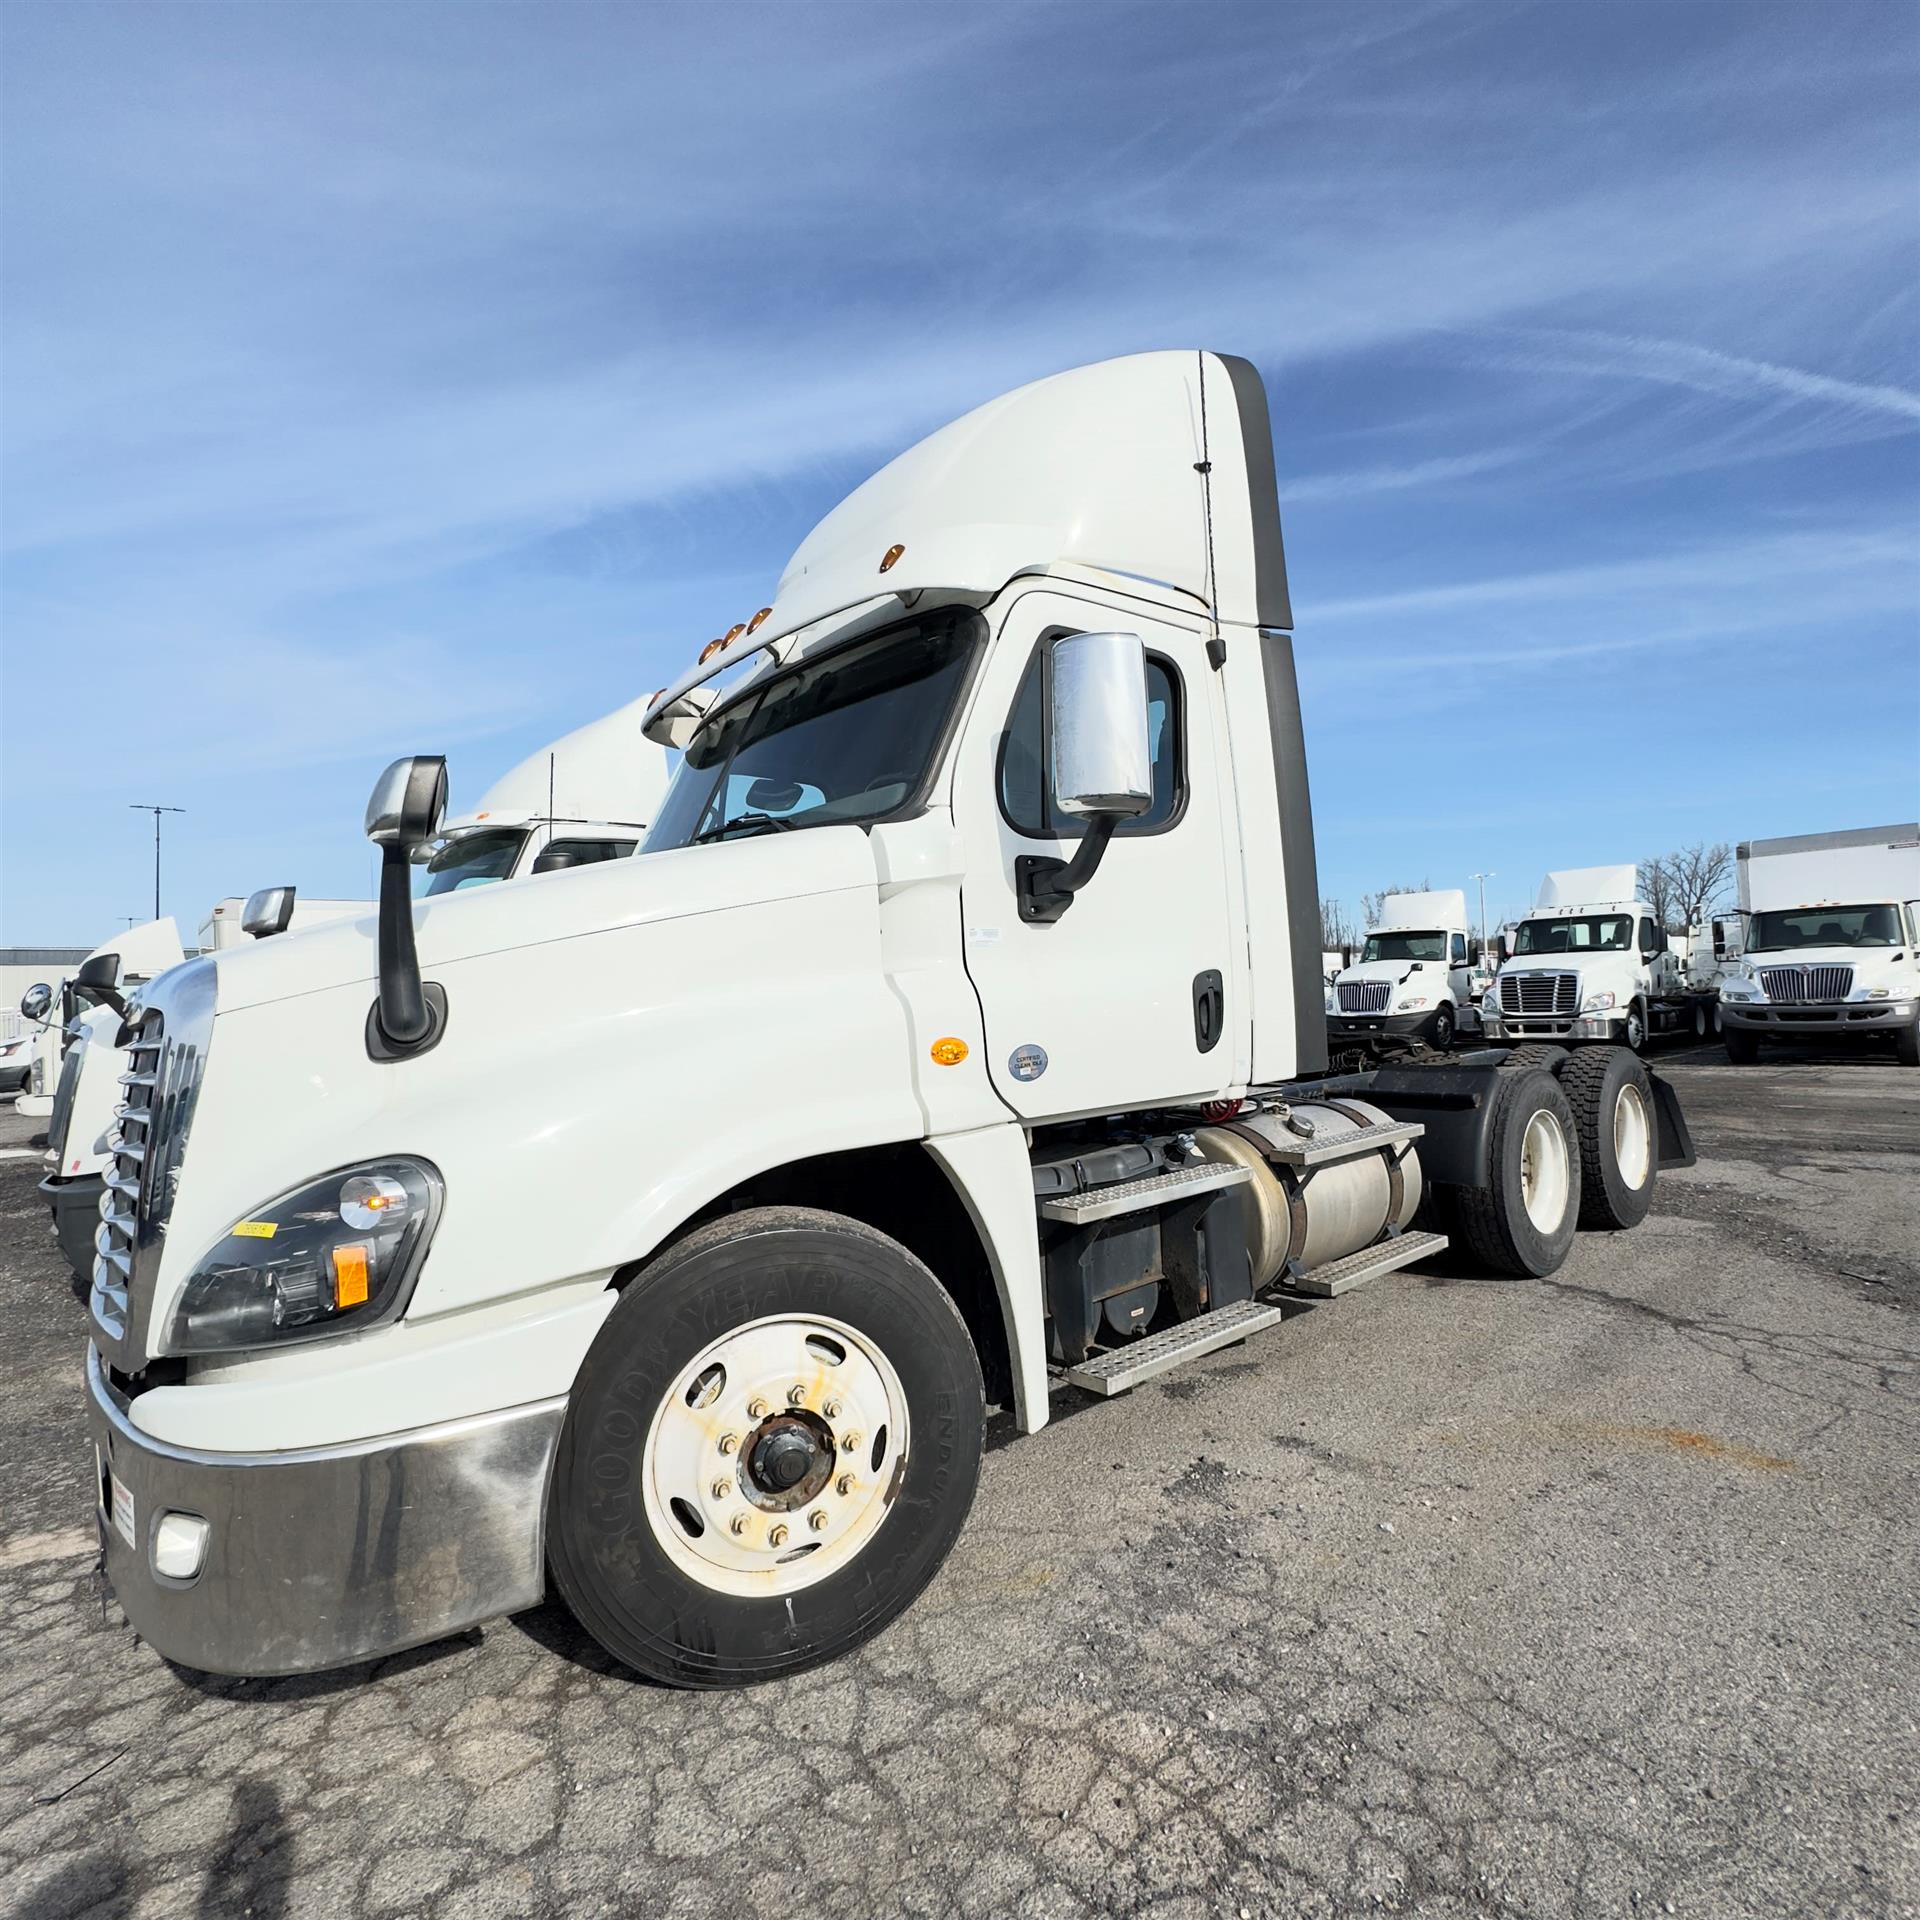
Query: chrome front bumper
{"points": [[1787, 1018], [330, 1555], [1544, 1026]]}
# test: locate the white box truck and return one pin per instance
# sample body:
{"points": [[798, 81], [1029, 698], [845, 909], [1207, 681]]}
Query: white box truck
{"points": [[1590, 962], [1832, 942], [958, 1036], [1414, 977]]}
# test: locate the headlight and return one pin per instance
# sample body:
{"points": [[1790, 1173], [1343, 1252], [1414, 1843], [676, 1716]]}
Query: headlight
{"points": [[1735, 990], [1410, 1002], [1879, 993], [340, 1252], [1596, 1003]]}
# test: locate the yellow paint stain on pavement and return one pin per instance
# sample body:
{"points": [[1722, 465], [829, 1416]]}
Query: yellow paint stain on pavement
{"points": [[1702, 1446]]}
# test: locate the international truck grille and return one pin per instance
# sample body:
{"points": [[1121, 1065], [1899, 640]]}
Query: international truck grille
{"points": [[1539, 993], [1364, 996], [166, 1057], [1791, 984]]}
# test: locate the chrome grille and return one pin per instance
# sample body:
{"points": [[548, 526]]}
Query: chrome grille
{"points": [[1539, 993], [165, 1046], [1806, 983], [1363, 996]]}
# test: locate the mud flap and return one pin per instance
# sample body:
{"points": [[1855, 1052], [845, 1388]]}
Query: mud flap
{"points": [[1676, 1143]]}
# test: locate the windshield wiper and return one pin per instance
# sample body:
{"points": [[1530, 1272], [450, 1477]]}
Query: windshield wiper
{"points": [[742, 823]]}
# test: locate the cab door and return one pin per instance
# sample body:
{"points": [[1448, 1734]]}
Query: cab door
{"points": [[1137, 994]]}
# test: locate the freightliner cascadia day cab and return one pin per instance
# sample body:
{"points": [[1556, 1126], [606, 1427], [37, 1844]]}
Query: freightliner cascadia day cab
{"points": [[1832, 942], [1591, 962], [957, 1037], [1414, 976], [81, 1124]]}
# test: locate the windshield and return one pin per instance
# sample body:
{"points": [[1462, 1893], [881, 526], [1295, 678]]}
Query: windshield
{"points": [[1405, 946], [474, 859], [848, 736], [1825, 927], [1584, 933]]}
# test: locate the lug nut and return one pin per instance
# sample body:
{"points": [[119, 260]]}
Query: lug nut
{"points": [[756, 1409], [817, 1519], [796, 1396], [777, 1537], [721, 1488], [848, 1442], [729, 1443], [832, 1409], [738, 1524], [845, 1484]]}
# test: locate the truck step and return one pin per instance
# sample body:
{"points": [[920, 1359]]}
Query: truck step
{"points": [[1318, 1152], [1134, 1196], [1386, 1256], [1114, 1372]]}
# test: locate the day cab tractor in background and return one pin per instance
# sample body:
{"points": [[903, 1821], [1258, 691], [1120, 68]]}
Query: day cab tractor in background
{"points": [[959, 1036], [1590, 962], [1413, 980]]}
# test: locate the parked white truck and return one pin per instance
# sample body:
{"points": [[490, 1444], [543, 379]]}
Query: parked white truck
{"points": [[1414, 977], [1590, 962], [1832, 942], [960, 1029]]}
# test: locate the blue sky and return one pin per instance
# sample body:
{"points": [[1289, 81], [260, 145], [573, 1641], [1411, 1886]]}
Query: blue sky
{"points": [[381, 379]]}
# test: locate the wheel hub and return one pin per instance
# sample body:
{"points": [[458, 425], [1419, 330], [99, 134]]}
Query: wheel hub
{"points": [[788, 1461]]}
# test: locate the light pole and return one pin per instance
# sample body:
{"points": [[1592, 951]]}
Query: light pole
{"points": [[140, 806], [1483, 878]]}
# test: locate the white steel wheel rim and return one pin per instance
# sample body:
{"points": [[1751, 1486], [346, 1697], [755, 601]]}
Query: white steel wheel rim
{"points": [[1545, 1177], [1632, 1137], [719, 1520]]}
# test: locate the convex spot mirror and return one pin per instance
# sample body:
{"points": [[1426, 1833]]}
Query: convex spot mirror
{"points": [[554, 859], [36, 1000], [1100, 744], [101, 971], [267, 912], [409, 802]]}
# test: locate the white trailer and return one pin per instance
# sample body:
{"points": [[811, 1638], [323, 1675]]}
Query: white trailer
{"points": [[959, 1036], [1413, 981], [1591, 962], [1832, 942]]}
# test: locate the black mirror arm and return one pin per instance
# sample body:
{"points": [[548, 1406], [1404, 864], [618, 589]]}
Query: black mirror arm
{"points": [[1046, 886], [402, 1007]]}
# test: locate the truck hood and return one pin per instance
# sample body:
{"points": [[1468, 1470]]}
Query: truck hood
{"points": [[573, 904], [1867, 962], [1395, 970]]}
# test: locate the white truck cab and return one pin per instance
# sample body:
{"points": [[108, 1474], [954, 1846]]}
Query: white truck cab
{"points": [[959, 1037], [1832, 942], [588, 797], [1414, 977], [1591, 962]]}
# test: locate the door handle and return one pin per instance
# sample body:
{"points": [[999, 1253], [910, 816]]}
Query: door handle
{"points": [[1209, 1009]]}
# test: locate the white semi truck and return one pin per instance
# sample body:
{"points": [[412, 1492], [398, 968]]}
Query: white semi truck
{"points": [[1590, 962], [1413, 980], [958, 1036], [1832, 942]]}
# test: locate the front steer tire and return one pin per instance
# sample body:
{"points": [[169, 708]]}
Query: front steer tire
{"points": [[1493, 1221], [770, 1266], [1603, 1085]]}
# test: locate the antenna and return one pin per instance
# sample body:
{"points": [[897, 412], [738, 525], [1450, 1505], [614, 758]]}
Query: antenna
{"points": [[141, 806]]}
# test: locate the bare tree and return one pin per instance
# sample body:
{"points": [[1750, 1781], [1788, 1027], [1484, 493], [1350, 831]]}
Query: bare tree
{"points": [[1684, 886], [1336, 932]]}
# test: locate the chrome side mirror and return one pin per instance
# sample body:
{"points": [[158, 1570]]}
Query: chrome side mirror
{"points": [[408, 803], [36, 1000], [1100, 755], [267, 912]]}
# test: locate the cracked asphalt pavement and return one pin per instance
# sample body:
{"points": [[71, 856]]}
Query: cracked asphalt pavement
{"points": [[1452, 1597]]}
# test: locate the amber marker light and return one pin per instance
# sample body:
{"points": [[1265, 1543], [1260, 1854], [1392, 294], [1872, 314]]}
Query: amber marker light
{"points": [[892, 554], [349, 1275], [753, 625], [734, 632], [948, 1052], [708, 651]]}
